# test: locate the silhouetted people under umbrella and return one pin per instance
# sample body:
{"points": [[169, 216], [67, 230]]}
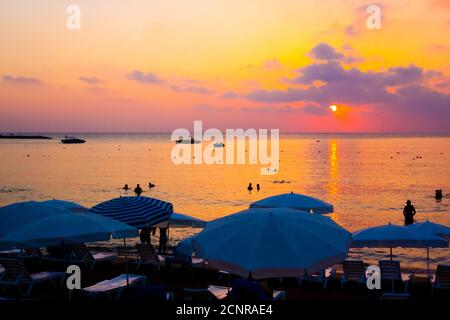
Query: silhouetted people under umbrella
{"points": [[145, 237], [162, 240], [409, 212], [138, 190]]}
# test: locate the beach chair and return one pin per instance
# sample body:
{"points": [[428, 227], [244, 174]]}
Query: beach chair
{"points": [[16, 275], [112, 288], [2, 272], [391, 271], [251, 290], [354, 271], [146, 293], [395, 296], [441, 280], [322, 277], [148, 256], [209, 294], [81, 254]]}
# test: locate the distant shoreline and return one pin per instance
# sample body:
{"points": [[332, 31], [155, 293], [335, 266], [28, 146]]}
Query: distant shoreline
{"points": [[15, 136]]}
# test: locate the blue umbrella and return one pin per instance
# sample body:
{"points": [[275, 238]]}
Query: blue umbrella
{"points": [[294, 201], [139, 212]]}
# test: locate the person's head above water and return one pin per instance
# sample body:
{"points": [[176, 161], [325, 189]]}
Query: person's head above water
{"points": [[408, 202]]}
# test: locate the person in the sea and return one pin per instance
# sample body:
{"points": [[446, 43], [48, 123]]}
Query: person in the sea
{"points": [[145, 237], [138, 190], [409, 212], [126, 187], [162, 240], [258, 187], [250, 188], [151, 185]]}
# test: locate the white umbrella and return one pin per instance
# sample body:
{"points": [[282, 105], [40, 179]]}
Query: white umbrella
{"points": [[427, 228], [275, 242], [294, 201], [18, 214], [391, 236], [71, 228], [68, 227], [178, 220], [71, 206]]}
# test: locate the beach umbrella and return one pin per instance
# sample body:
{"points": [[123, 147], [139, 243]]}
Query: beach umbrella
{"points": [[185, 247], [71, 206], [426, 228], [18, 214], [272, 242], [178, 220], [294, 201], [68, 227], [391, 236], [139, 212]]}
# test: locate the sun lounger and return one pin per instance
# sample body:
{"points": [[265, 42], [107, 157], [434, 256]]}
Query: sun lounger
{"points": [[16, 275], [391, 271], [209, 294], [251, 290], [113, 288], [146, 293], [441, 280], [323, 277], [354, 271], [81, 254], [148, 256], [395, 296]]}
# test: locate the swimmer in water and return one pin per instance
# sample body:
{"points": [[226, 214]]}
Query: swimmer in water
{"points": [[126, 187], [138, 190]]}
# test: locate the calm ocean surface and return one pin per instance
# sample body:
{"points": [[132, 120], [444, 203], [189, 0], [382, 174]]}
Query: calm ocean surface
{"points": [[367, 178]]}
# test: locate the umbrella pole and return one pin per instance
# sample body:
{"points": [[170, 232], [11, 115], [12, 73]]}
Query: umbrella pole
{"points": [[126, 259], [390, 249], [428, 260]]}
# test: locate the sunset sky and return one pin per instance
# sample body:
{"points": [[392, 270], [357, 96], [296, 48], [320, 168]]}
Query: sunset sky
{"points": [[157, 65]]}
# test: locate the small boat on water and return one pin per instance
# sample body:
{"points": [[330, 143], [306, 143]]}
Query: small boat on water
{"points": [[72, 140], [219, 145], [189, 141]]}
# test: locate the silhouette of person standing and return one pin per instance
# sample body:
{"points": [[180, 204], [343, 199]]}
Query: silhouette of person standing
{"points": [[250, 188], [162, 240], [145, 236], [409, 212], [258, 187], [138, 190]]}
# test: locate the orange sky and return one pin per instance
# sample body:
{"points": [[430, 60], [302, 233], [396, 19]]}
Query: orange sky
{"points": [[158, 65]]}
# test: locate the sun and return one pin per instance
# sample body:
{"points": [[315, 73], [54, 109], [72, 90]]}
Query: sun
{"points": [[333, 108]]}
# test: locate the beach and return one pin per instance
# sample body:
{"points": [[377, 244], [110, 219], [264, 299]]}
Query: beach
{"points": [[367, 177]]}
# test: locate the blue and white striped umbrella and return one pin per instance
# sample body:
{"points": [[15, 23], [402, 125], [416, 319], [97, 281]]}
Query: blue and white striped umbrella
{"points": [[138, 212]]}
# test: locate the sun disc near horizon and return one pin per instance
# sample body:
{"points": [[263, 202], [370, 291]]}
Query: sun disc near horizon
{"points": [[333, 108]]}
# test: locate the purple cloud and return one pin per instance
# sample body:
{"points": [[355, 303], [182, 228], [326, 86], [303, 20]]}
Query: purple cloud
{"points": [[142, 77], [201, 90], [90, 80], [395, 89], [325, 52], [230, 95], [22, 80]]}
